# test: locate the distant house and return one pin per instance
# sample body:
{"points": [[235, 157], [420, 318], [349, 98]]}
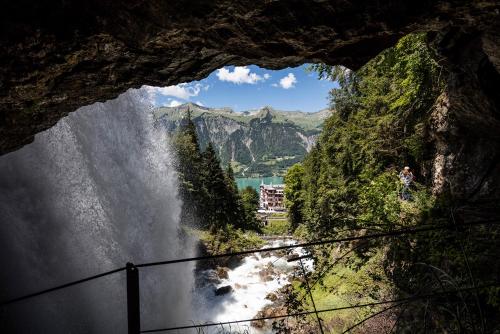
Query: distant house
{"points": [[272, 197]]}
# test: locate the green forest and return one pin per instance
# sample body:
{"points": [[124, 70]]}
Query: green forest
{"points": [[349, 185], [212, 205]]}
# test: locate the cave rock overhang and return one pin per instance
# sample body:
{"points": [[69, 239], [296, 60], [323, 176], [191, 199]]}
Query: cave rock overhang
{"points": [[59, 56]]}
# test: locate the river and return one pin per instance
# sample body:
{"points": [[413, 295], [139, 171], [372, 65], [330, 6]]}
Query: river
{"points": [[255, 278]]}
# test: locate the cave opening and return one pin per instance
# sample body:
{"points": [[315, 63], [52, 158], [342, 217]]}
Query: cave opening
{"points": [[93, 185]]}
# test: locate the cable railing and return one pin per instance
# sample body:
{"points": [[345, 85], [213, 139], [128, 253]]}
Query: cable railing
{"points": [[342, 308], [132, 277]]}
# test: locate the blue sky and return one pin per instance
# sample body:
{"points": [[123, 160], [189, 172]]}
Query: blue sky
{"points": [[250, 87]]}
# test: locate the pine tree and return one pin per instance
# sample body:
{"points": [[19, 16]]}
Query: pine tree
{"points": [[189, 161], [214, 180], [294, 194], [233, 205], [250, 205]]}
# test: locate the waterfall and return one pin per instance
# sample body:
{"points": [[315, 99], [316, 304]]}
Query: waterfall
{"points": [[92, 193]]}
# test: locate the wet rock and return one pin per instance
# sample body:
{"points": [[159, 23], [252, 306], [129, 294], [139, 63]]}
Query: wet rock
{"points": [[206, 277], [265, 254], [267, 274], [222, 272], [223, 290], [272, 297], [240, 286], [268, 311]]}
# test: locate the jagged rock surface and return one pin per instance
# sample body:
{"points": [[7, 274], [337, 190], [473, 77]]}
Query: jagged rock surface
{"points": [[465, 123], [60, 55]]}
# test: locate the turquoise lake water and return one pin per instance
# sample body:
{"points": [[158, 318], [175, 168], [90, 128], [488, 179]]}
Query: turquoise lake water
{"points": [[255, 182]]}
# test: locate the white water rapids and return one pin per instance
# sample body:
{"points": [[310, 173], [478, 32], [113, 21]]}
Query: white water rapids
{"points": [[251, 281]]}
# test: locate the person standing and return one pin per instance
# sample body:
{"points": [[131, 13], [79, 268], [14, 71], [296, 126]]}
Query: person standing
{"points": [[406, 177]]}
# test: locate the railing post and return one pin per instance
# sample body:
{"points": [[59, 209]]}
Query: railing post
{"points": [[133, 308]]}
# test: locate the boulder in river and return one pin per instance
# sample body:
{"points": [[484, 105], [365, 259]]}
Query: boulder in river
{"points": [[223, 290], [222, 272], [271, 296], [267, 273], [268, 311]]}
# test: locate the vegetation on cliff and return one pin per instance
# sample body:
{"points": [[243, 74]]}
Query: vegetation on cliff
{"points": [[348, 184]]}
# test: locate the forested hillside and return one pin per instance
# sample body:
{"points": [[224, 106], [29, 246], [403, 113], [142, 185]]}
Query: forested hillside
{"points": [[260, 142], [348, 185]]}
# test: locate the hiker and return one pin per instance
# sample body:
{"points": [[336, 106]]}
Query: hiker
{"points": [[406, 177]]}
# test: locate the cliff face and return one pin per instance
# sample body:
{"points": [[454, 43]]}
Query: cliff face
{"points": [[263, 142], [60, 55], [465, 124]]}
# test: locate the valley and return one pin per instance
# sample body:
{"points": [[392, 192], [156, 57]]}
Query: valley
{"points": [[262, 142]]}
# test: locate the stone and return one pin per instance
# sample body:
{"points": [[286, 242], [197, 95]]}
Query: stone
{"points": [[272, 297], [268, 311], [267, 274], [223, 290], [222, 272]]}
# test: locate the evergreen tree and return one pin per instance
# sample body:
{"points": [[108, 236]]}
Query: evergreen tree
{"points": [[233, 205], [294, 194], [188, 165], [214, 207], [250, 205]]}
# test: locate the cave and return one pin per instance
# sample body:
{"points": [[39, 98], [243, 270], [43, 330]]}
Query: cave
{"points": [[57, 57], [60, 56]]}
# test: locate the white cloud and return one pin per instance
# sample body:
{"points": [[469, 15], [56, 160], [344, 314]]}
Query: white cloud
{"points": [[200, 104], [183, 91], [173, 103], [274, 85], [288, 82], [240, 75], [267, 76]]}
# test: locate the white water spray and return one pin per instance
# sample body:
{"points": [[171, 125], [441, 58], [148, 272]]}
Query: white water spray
{"points": [[92, 193]]}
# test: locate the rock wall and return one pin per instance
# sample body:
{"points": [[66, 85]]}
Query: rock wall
{"points": [[465, 124], [60, 55]]}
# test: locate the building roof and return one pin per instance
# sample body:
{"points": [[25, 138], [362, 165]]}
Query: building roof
{"points": [[271, 186]]}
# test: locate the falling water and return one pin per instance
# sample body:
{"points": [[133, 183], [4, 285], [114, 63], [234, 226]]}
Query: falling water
{"points": [[92, 193]]}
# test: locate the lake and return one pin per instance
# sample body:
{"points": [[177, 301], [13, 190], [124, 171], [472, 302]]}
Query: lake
{"points": [[255, 182]]}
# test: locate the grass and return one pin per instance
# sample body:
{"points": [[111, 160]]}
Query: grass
{"points": [[229, 241], [349, 282], [276, 226]]}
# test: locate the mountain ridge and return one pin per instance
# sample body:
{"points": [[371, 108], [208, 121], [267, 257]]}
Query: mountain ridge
{"points": [[257, 142]]}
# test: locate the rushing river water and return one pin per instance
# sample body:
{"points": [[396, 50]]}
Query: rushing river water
{"points": [[251, 282]]}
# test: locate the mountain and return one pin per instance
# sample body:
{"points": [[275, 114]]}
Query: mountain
{"points": [[258, 142]]}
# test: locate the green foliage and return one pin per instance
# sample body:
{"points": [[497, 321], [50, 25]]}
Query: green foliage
{"points": [[350, 177], [261, 144], [276, 227], [188, 164], [210, 196], [350, 185], [230, 240], [250, 202], [294, 194]]}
